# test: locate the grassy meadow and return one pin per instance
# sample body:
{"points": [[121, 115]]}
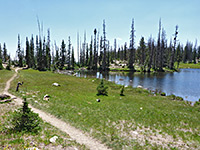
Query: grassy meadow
{"points": [[4, 76], [138, 120], [18, 141], [189, 65]]}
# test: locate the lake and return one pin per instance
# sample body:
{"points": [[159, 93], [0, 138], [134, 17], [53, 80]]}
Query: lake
{"points": [[185, 83]]}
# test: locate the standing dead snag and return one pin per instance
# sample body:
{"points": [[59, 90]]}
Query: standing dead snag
{"points": [[17, 89]]}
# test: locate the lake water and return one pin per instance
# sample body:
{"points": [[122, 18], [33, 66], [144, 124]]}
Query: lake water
{"points": [[185, 83]]}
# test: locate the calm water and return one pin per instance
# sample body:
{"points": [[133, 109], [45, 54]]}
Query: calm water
{"points": [[185, 83]]}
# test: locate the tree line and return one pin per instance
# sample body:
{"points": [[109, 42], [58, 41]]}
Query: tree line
{"points": [[152, 55]]}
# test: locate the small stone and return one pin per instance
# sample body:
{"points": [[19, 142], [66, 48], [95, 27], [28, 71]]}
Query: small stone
{"points": [[141, 108], [135, 132], [139, 86], [32, 148], [36, 101], [56, 84], [46, 97], [92, 80], [98, 100], [53, 139]]}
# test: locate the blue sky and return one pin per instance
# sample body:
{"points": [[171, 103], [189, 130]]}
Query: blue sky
{"points": [[65, 18]]}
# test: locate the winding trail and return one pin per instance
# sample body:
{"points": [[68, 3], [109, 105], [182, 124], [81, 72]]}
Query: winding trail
{"points": [[74, 133]]}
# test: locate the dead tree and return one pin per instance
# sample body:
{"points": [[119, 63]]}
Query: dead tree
{"points": [[18, 84], [173, 49]]}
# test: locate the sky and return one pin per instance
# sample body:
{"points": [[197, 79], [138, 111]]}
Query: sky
{"points": [[65, 18]]}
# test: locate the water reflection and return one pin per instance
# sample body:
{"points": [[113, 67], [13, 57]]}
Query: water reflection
{"points": [[184, 83]]}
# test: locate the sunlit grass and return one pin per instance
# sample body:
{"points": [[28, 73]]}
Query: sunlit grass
{"points": [[189, 65], [113, 118], [19, 141], [4, 76]]}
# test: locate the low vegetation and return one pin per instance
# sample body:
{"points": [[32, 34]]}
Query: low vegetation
{"points": [[25, 120], [11, 139], [138, 120], [5, 75], [189, 65]]}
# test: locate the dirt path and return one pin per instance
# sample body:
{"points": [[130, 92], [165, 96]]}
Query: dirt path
{"points": [[74, 133]]}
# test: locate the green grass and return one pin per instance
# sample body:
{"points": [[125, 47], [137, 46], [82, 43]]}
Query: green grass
{"points": [[4, 76], [19, 141], [189, 65], [116, 118]]}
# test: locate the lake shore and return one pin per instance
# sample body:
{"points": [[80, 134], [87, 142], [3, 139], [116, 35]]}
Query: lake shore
{"points": [[116, 120]]}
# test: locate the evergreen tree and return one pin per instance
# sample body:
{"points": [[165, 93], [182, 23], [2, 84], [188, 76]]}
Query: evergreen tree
{"points": [[1, 52], [163, 50], [150, 54], [91, 56], [19, 53], [159, 61], [69, 54], [32, 57], [78, 49], [72, 59], [115, 49], [142, 53], [95, 51], [8, 67], [5, 56], [101, 53], [48, 51], [125, 51], [1, 66], [27, 57], [87, 55], [198, 55], [132, 50], [102, 89], [178, 55], [83, 50], [62, 54], [104, 65], [26, 120]]}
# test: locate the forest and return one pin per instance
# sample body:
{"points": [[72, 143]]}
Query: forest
{"points": [[98, 54]]}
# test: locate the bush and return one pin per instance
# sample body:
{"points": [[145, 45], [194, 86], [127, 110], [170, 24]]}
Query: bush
{"points": [[163, 94], [9, 65], [122, 91], [1, 66], [26, 120], [102, 89], [179, 98]]}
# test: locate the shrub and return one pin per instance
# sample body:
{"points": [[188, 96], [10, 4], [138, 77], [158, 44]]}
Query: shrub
{"points": [[9, 65], [163, 94], [26, 120], [179, 98], [122, 91], [1, 66], [102, 89]]}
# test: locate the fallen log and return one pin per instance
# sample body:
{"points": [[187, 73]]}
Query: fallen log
{"points": [[4, 96], [7, 100]]}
